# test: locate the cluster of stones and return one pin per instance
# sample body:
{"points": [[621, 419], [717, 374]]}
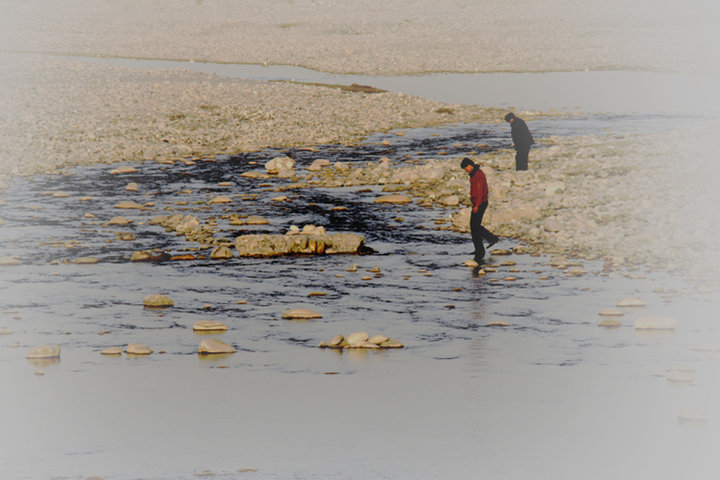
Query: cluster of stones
{"points": [[646, 323], [207, 346], [310, 241], [361, 340]]}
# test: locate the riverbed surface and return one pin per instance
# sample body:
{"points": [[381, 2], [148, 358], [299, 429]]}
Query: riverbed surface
{"points": [[505, 374]]}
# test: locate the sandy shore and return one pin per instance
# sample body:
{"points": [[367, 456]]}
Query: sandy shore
{"points": [[59, 111]]}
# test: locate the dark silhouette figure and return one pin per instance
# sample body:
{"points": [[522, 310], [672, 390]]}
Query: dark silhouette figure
{"points": [[479, 200], [522, 140]]}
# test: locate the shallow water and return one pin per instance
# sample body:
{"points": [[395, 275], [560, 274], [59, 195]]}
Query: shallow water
{"points": [[551, 395], [616, 92]]}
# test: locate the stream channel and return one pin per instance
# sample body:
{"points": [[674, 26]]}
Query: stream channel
{"points": [[550, 395]]}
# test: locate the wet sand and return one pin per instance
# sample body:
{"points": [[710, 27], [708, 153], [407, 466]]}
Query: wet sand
{"points": [[550, 392]]}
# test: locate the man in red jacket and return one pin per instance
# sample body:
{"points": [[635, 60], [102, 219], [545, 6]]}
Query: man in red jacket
{"points": [[479, 200]]}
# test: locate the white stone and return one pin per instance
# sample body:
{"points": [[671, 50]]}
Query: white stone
{"points": [[157, 301], [213, 346], [44, 351], [209, 326], [277, 164], [138, 349], [357, 338], [300, 313], [631, 302]]}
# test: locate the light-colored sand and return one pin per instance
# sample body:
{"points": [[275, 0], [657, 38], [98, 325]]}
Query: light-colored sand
{"points": [[377, 35]]}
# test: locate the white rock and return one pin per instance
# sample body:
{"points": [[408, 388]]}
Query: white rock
{"points": [[209, 326], [157, 301], [357, 338], [378, 339], [300, 313], [112, 351], [213, 346], [44, 351], [279, 163], [138, 349], [631, 302]]}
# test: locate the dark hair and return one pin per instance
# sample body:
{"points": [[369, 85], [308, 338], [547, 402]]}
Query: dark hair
{"points": [[509, 116], [465, 162]]}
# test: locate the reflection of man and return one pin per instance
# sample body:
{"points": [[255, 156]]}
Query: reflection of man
{"points": [[479, 199], [522, 140]]}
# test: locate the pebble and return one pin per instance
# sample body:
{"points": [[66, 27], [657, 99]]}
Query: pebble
{"points": [[132, 187], [86, 261], [138, 349], [128, 205], [44, 351], [394, 199], [611, 312], [209, 326], [123, 170], [10, 261], [213, 346], [357, 338], [300, 314], [221, 253], [157, 301], [631, 302], [120, 220], [220, 199], [610, 323], [112, 351]]}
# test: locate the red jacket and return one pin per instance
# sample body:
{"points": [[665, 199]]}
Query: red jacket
{"points": [[478, 187]]}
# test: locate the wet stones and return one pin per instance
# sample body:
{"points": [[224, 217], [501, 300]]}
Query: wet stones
{"points": [[157, 301], [267, 245], [300, 314], [86, 261], [279, 165], [138, 349], [394, 199], [119, 221], [213, 346], [123, 170], [209, 326], [361, 340], [631, 302], [220, 199], [128, 205], [112, 351], [44, 352], [221, 253], [150, 256], [10, 261]]}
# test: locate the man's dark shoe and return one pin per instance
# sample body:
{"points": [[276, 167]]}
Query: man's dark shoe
{"points": [[493, 242]]}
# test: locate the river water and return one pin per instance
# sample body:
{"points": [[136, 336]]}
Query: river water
{"points": [[549, 395]]}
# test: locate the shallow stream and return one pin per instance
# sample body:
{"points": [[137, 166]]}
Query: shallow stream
{"points": [[505, 375]]}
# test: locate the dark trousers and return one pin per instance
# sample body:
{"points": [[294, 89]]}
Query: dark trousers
{"points": [[521, 158], [480, 233]]}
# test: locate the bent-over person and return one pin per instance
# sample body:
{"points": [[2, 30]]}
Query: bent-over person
{"points": [[479, 200]]}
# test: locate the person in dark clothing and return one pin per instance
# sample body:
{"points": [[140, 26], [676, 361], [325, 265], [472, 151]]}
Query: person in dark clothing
{"points": [[479, 200], [522, 140]]}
